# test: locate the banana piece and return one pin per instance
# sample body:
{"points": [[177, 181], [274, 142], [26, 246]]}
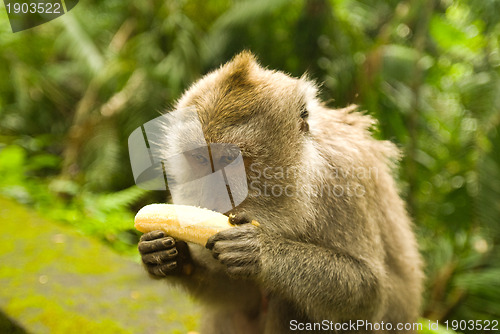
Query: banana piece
{"points": [[184, 222]]}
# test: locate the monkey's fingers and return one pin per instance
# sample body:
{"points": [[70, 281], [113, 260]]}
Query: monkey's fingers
{"points": [[237, 233], [160, 257], [239, 219], [152, 235], [228, 246], [156, 245], [163, 269]]}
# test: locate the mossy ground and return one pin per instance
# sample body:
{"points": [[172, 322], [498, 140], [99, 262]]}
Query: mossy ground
{"points": [[55, 280]]}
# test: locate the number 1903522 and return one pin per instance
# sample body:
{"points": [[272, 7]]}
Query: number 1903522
{"points": [[34, 7]]}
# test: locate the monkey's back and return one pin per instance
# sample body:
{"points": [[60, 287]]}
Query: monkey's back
{"points": [[369, 219]]}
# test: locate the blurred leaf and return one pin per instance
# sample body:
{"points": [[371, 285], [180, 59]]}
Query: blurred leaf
{"points": [[81, 44]]}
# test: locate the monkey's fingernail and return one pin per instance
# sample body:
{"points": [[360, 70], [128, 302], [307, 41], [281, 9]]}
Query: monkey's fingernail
{"points": [[210, 243], [238, 219], [168, 242]]}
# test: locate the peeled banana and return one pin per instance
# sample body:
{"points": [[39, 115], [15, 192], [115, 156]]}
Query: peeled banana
{"points": [[183, 222]]}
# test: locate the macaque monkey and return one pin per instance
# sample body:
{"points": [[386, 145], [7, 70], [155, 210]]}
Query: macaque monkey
{"points": [[335, 244]]}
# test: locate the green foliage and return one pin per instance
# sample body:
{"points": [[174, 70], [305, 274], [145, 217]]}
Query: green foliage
{"points": [[428, 70], [104, 215]]}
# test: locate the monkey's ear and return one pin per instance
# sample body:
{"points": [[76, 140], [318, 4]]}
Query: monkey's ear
{"points": [[304, 115]]}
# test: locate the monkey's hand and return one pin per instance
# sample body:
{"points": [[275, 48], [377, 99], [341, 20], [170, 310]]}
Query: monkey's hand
{"points": [[238, 248], [163, 256]]}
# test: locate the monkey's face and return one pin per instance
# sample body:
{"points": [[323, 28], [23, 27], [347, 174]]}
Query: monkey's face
{"points": [[261, 113]]}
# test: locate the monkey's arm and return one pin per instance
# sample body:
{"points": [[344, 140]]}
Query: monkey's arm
{"points": [[326, 283], [193, 268]]}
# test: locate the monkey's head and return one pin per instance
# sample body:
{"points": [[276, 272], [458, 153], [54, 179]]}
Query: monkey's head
{"points": [[262, 112]]}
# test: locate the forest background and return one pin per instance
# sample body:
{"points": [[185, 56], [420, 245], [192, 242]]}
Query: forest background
{"points": [[72, 90]]}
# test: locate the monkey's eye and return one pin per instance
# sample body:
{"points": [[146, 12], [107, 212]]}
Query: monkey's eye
{"points": [[227, 159], [200, 159], [304, 113]]}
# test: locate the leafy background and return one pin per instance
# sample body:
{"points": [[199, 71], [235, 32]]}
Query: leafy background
{"points": [[72, 90]]}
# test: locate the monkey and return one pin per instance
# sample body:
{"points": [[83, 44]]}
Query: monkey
{"points": [[335, 245]]}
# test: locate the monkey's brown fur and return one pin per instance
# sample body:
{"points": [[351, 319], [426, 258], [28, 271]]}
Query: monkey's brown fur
{"points": [[319, 254]]}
